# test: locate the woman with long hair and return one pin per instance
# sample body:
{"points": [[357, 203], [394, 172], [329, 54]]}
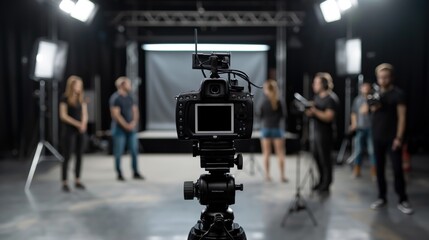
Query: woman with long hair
{"points": [[271, 114], [74, 118]]}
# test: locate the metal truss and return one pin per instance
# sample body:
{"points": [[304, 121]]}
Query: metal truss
{"points": [[208, 19]]}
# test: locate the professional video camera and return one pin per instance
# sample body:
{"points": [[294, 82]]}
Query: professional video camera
{"points": [[213, 117], [220, 110], [375, 97]]}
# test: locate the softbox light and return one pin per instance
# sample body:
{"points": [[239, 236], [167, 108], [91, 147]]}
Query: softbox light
{"points": [[348, 56], [49, 60]]}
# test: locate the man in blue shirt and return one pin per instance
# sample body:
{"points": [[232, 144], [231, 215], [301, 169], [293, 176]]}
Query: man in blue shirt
{"points": [[125, 117], [361, 123]]}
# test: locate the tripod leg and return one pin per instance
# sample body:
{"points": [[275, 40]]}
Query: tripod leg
{"points": [[293, 206], [311, 216], [312, 181], [53, 151], [313, 219], [286, 216], [304, 181], [340, 156], [34, 163]]}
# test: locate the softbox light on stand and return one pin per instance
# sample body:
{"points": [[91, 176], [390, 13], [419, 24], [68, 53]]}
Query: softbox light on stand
{"points": [[48, 64], [348, 58], [48, 60]]}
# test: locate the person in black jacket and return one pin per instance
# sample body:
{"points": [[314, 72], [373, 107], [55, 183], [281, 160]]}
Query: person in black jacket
{"points": [[271, 114], [74, 118]]}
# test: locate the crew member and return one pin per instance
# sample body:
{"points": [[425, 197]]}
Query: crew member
{"points": [[388, 128], [322, 115], [125, 117]]}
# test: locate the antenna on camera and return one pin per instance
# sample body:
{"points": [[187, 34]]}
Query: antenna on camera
{"points": [[196, 51], [196, 40]]}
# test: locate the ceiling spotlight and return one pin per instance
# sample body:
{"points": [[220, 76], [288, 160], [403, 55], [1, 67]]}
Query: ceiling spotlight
{"points": [[67, 5], [82, 10], [330, 10], [344, 4]]}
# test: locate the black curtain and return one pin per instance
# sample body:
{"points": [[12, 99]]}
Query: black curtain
{"points": [[91, 52]]}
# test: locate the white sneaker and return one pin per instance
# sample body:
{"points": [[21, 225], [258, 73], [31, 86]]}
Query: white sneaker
{"points": [[378, 204], [405, 207]]}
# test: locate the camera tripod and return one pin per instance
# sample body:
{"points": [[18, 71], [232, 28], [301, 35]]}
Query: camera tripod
{"points": [[216, 222], [298, 203], [216, 190]]}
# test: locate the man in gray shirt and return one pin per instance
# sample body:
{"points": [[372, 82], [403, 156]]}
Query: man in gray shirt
{"points": [[125, 117], [361, 123]]}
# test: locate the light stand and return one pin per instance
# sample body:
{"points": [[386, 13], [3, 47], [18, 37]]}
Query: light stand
{"points": [[39, 153], [299, 203], [309, 177], [346, 140]]}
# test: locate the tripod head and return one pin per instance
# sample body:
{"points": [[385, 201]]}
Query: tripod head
{"points": [[216, 190], [218, 187]]}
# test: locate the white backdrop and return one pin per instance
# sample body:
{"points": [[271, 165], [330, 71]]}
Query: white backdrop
{"points": [[170, 73]]}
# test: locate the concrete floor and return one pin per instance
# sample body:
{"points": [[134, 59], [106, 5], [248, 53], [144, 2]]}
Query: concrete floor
{"points": [[154, 209]]}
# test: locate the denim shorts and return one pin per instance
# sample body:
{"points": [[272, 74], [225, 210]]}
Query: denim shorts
{"points": [[271, 133]]}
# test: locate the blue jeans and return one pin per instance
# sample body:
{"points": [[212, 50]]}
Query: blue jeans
{"points": [[363, 139], [271, 133], [120, 138]]}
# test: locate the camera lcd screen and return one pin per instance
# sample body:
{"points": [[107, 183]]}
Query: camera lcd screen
{"points": [[214, 118]]}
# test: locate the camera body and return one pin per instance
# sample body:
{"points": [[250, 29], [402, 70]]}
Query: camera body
{"points": [[218, 111]]}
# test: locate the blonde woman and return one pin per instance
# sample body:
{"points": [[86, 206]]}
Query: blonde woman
{"points": [[74, 118], [271, 114]]}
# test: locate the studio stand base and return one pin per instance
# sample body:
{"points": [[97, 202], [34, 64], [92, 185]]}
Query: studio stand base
{"points": [[298, 203], [39, 157]]}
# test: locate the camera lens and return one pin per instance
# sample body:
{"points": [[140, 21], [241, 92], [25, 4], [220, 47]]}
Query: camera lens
{"points": [[214, 89]]}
